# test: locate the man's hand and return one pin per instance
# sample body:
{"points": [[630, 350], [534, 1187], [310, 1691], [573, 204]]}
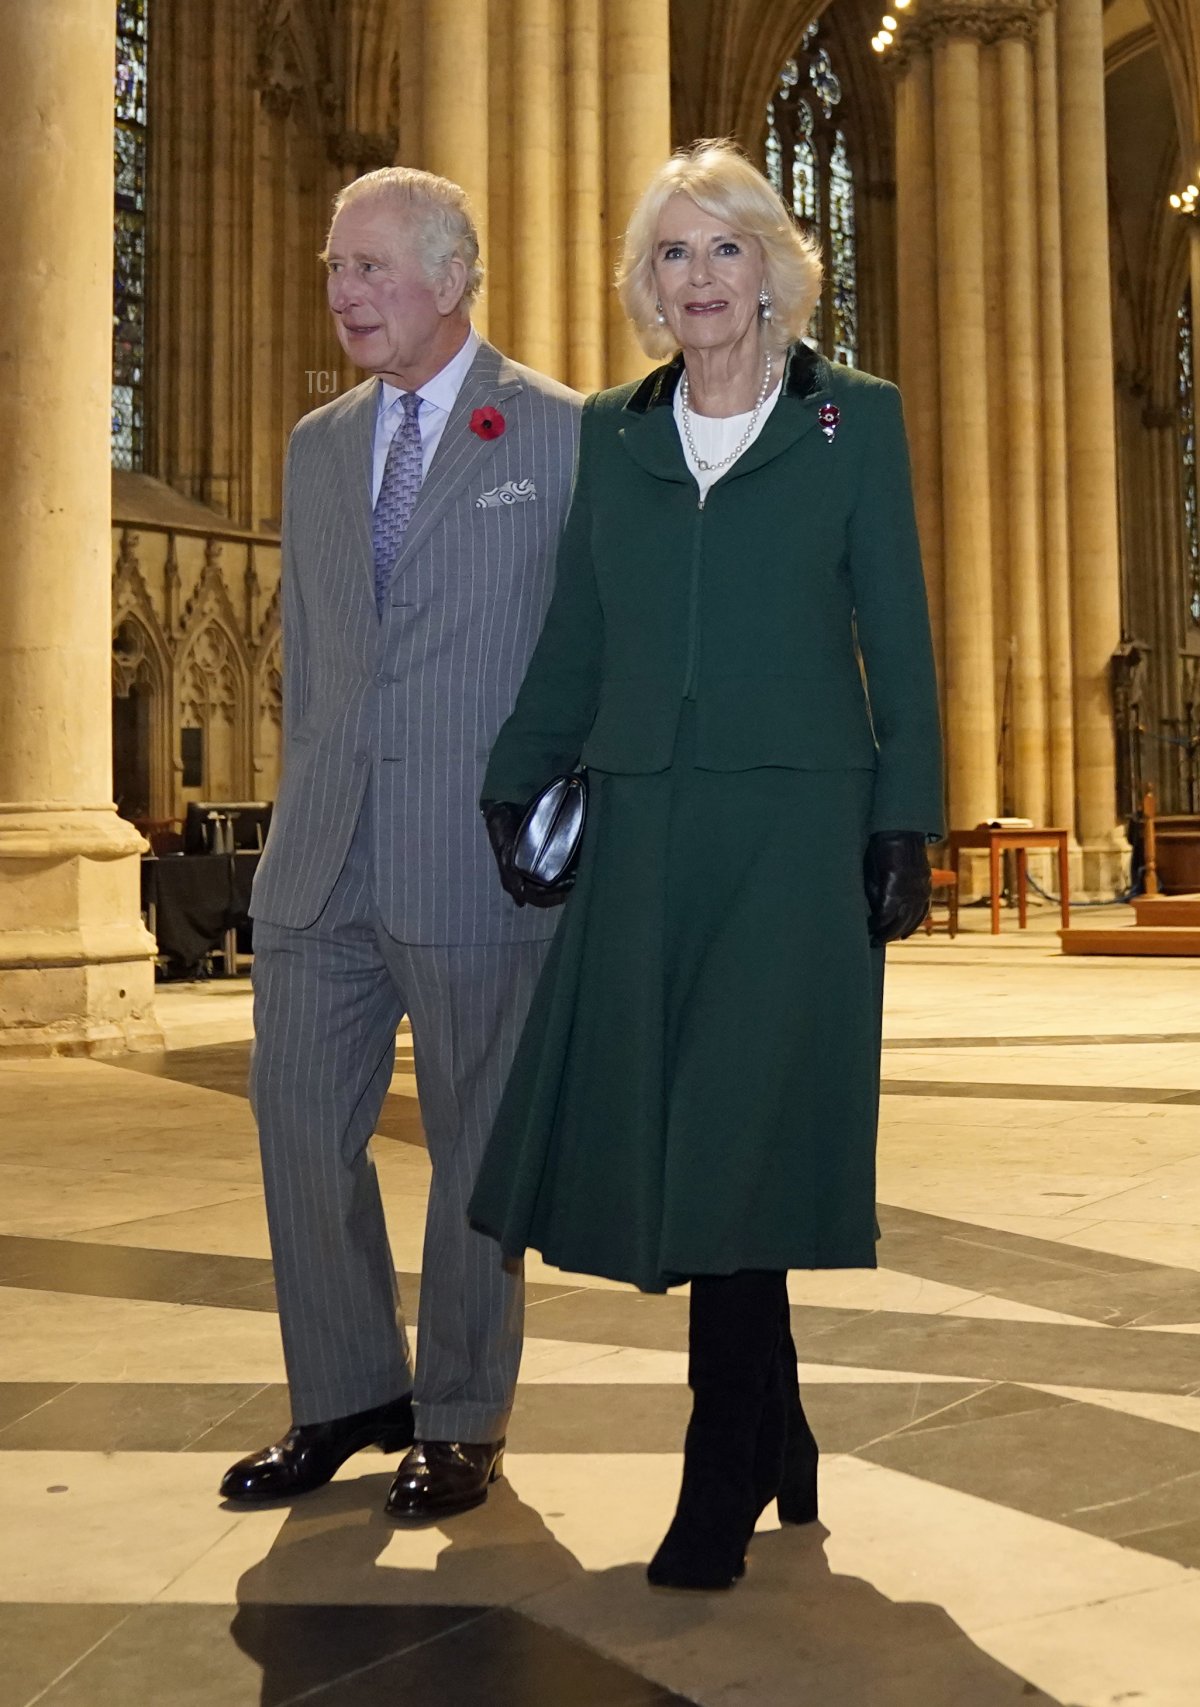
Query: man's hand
{"points": [[896, 877], [503, 820]]}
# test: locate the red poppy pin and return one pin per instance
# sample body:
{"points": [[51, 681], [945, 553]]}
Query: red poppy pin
{"points": [[829, 415], [487, 423]]}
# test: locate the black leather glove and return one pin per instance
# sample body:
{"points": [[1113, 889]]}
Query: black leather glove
{"points": [[896, 877], [503, 820]]}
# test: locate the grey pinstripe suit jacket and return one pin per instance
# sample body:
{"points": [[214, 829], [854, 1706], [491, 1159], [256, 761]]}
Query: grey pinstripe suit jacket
{"points": [[405, 709]]}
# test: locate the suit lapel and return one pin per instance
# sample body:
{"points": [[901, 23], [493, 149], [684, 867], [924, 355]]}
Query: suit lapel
{"points": [[356, 442], [489, 379]]}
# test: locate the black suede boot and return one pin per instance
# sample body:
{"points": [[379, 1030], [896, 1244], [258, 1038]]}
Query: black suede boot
{"points": [[733, 1374], [797, 1495]]}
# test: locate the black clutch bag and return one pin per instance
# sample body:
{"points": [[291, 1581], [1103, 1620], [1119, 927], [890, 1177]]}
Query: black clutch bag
{"points": [[546, 850]]}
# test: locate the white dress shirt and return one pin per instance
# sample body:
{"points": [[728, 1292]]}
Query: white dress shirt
{"points": [[438, 396]]}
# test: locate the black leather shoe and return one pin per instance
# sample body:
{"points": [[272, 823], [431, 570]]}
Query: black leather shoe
{"points": [[310, 1454], [441, 1477]]}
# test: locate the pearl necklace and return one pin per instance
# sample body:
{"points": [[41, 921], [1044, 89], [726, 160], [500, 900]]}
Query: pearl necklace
{"points": [[685, 400]]}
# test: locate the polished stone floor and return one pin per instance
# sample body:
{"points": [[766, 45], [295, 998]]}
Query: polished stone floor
{"points": [[1009, 1407]]}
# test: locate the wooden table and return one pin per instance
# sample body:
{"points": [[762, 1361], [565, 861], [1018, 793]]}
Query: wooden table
{"points": [[998, 842]]}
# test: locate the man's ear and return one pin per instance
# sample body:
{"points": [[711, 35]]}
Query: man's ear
{"points": [[449, 292]]}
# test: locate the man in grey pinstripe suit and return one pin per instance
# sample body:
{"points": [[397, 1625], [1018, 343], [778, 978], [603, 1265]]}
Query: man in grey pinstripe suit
{"points": [[421, 515]]}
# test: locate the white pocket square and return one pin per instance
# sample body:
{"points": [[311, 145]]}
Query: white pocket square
{"points": [[512, 492]]}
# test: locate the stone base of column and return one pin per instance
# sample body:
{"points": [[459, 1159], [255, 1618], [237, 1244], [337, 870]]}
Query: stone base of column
{"points": [[1105, 868], [974, 876], [76, 962]]}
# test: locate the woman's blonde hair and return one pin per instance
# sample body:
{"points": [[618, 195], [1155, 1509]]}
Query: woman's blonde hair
{"points": [[720, 180]]}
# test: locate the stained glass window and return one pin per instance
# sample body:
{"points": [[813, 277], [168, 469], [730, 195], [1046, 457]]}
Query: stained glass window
{"points": [[808, 159], [129, 234], [1187, 445]]}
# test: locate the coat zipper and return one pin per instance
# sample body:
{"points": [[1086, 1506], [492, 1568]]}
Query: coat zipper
{"points": [[693, 649]]}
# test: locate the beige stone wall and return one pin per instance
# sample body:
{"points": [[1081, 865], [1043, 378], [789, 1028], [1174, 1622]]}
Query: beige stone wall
{"points": [[1005, 298], [551, 113], [196, 633]]}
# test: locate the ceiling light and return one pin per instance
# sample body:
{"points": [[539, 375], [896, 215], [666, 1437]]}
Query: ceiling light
{"points": [[889, 23]]}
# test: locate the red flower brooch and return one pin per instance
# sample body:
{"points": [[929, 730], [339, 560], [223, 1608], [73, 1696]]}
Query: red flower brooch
{"points": [[829, 415], [487, 423]]}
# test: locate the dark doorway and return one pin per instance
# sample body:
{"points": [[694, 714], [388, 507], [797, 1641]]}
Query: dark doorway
{"points": [[131, 723]]}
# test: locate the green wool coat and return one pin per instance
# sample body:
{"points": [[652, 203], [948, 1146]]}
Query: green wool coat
{"points": [[748, 604], [749, 681]]}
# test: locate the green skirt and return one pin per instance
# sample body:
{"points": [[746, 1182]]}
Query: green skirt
{"points": [[697, 1086]]}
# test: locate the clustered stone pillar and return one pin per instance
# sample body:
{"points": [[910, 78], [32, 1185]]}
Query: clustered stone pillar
{"points": [[1056, 551], [577, 97], [454, 89], [1000, 167], [1091, 427], [1020, 398], [76, 968], [917, 293], [966, 505]]}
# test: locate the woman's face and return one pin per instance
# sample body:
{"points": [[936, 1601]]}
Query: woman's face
{"points": [[708, 277]]}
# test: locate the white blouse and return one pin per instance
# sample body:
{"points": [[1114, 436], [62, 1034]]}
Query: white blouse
{"points": [[716, 435]]}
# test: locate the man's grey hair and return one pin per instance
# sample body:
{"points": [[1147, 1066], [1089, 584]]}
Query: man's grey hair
{"points": [[439, 212]]}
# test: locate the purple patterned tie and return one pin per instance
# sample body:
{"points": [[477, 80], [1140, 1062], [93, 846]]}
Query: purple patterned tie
{"points": [[397, 495]]}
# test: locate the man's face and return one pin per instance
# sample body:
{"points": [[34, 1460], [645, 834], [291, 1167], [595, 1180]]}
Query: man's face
{"points": [[388, 314]]}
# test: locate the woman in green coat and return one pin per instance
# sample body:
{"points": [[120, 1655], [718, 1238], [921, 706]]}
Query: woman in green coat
{"points": [[738, 651]]}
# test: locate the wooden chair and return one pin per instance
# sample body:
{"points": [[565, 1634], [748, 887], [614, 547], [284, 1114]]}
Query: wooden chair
{"points": [[946, 881]]}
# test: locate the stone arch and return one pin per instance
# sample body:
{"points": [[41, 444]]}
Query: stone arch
{"points": [[141, 687], [213, 688], [293, 62], [748, 45]]}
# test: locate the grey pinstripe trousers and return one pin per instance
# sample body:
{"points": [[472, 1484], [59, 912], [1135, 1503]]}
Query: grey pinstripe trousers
{"points": [[327, 1002]]}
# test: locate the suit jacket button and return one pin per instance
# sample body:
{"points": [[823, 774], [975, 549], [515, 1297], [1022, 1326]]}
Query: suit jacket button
{"points": [[360, 758], [381, 680]]}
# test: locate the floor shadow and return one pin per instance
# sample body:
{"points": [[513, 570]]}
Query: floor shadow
{"points": [[795, 1630], [345, 1608], [334, 1601]]}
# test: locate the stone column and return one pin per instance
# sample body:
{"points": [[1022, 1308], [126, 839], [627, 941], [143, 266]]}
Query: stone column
{"points": [[966, 509], [588, 280], [454, 95], [637, 112], [1017, 220], [916, 262], [1056, 556], [537, 298], [995, 296], [75, 962], [1091, 439], [498, 261]]}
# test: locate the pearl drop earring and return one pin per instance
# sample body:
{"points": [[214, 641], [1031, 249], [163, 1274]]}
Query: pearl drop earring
{"points": [[660, 313], [765, 309]]}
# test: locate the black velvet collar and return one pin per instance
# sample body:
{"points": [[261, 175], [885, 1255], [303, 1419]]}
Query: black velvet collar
{"points": [[805, 374]]}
